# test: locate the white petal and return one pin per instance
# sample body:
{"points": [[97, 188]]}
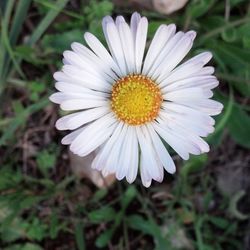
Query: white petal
{"points": [[115, 46], [69, 138], [140, 42], [60, 97], [94, 60], [188, 143], [77, 61], [94, 135], [205, 71], [146, 180], [161, 151], [135, 19], [188, 69], [100, 160], [87, 65], [186, 135], [203, 58], [78, 104], [187, 94], [175, 56], [125, 155], [164, 52], [60, 76], [105, 21], [134, 161], [207, 82], [145, 177], [73, 121], [80, 95], [162, 35], [128, 162], [114, 155], [186, 112], [174, 141], [210, 107], [119, 20], [150, 163], [127, 45], [194, 123], [81, 79], [86, 79], [100, 51], [76, 88]]}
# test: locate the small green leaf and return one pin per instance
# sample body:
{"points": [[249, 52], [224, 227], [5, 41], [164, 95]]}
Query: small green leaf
{"points": [[103, 214], [129, 195], [27, 246], [62, 41], [229, 35], [219, 222], [36, 230], [99, 194], [194, 164], [79, 231], [46, 160], [199, 8], [46, 21], [233, 209], [239, 126], [148, 227], [104, 238]]}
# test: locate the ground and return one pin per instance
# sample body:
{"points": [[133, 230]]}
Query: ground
{"points": [[46, 204]]}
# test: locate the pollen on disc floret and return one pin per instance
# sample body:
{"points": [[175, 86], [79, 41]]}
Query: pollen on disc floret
{"points": [[136, 99]]}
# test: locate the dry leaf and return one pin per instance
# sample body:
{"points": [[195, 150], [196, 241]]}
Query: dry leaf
{"points": [[168, 6], [179, 239], [81, 167], [162, 6], [135, 4]]}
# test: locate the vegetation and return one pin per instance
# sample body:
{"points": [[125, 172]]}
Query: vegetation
{"points": [[204, 206]]}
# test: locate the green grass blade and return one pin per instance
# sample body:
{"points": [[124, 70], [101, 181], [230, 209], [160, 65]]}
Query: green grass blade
{"points": [[79, 231], [219, 30], [7, 45], [8, 10], [19, 17], [21, 119], [50, 5], [46, 21], [228, 110], [3, 55]]}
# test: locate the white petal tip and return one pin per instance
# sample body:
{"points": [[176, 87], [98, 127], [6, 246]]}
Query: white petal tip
{"points": [[147, 184], [56, 75], [65, 141], [144, 20], [53, 98], [172, 27], [136, 15], [87, 35], [171, 170], [209, 56], [130, 181], [219, 108], [60, 125], [191, 34]]}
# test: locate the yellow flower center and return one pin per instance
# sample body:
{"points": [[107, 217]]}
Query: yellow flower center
{"points": [[136, 99]]}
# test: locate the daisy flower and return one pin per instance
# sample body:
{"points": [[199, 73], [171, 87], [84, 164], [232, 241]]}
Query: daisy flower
{"points": [[129, 104]]}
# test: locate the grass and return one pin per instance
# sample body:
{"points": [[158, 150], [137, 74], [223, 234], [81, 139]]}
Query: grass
{"points": [[43, 205]]}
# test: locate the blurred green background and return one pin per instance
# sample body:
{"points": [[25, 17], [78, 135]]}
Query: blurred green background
{"points": [[43, 205]]}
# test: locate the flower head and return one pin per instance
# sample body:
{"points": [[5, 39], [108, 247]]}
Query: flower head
{"points": [[127, 102]]}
